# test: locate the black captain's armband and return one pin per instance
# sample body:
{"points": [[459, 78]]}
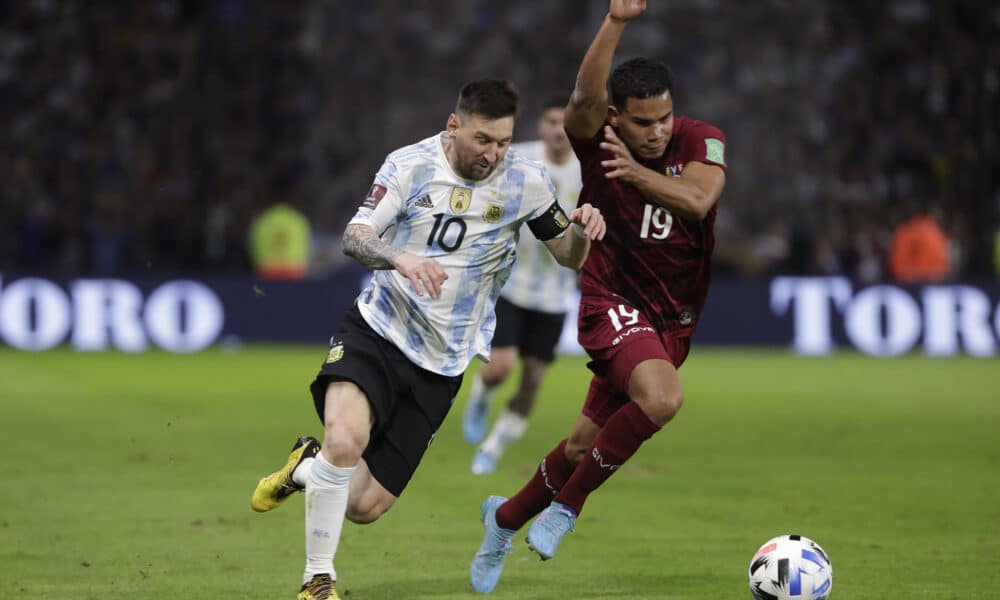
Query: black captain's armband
{"points": [[552, 222]]}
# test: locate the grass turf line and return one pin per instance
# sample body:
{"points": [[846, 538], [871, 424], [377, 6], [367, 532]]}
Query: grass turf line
{"points": [[129, 476]]}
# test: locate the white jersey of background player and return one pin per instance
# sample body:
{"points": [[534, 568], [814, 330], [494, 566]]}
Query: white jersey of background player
{"points": [[532, 309], [537, 281], [439, 225]]}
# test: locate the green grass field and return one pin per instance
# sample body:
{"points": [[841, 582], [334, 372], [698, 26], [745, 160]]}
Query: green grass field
{"points": [[129, 477]]}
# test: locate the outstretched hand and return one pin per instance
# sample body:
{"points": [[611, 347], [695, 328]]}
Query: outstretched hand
{"points": [[626, 10], [591, 220], [622, 166], [423, 272]]}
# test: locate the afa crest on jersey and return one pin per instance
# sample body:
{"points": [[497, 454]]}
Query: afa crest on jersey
{"points": [[336, 353], [461, 199], [493, 214]]}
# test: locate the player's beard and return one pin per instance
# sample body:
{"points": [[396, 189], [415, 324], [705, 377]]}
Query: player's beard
{"points": [[468, 164], [476, 170]]}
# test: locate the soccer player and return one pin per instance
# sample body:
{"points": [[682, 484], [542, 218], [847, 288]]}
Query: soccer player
{"points": [[531, 309], [439, 227], [656, 178]]}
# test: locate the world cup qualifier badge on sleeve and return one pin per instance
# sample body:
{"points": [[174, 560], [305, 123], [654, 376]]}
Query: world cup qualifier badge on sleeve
{"points": [[375, 195], [715, 151]]}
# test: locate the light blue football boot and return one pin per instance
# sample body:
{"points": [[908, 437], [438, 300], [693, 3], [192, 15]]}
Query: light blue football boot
{"points": [[487, 564], [549, 528], [475, 419], [483, 463]]}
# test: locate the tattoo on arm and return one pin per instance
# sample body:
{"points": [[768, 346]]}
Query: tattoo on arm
{"points": [[361, 243]]}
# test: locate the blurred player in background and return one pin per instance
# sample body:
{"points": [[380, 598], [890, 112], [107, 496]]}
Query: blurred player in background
{"points": [[656, 177], [439, 226], [531, 310]]}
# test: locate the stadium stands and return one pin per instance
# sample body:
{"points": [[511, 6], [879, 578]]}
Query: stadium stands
{"points": [[148, 135]]}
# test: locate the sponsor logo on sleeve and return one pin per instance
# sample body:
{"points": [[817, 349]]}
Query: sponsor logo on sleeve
{"points": [[715, 150], [461, 200], [375, 195]]}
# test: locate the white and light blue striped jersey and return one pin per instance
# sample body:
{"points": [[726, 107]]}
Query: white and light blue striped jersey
{"points": [[419, 205], [537, 281]]}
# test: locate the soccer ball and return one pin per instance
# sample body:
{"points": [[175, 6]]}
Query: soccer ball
{"points": [[791, 567]]}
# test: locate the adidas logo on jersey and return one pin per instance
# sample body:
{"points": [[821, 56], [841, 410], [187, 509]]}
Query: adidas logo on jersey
{"points": [[424, 202]]}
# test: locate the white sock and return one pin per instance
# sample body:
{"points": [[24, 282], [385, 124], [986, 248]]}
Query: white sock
{"points": [[326, 504], [480, 392], [301, 473], [509, 426]]}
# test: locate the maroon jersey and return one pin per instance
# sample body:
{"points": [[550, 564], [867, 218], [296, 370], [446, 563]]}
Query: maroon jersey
{"points": [[658, 262]]}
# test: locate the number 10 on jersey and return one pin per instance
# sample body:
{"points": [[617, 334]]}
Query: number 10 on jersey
{"points": [[449, 242], [657, 219]]}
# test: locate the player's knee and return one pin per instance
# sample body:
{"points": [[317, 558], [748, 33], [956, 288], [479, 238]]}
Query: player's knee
{"points": [[343, 444], [660, 405], [499, 370]]}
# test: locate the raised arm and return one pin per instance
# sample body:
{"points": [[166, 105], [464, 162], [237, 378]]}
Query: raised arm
{"points": [[588, 106]]}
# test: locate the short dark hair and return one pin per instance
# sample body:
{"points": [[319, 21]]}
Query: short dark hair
{"points": [[639, 78], [555, 100], [490, 98]]}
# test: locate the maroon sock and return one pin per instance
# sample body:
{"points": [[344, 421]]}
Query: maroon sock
{"points": [[618, 440], [551, 475]]}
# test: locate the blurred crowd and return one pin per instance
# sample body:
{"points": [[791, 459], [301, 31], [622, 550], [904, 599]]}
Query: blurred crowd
{"points": [[152, 135]]}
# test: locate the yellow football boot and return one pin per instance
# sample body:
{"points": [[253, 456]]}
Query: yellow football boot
{"points": [[273, 489], [320, 587]]}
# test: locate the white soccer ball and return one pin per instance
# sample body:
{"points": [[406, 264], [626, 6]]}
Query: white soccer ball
{"points": [[791, 567]]}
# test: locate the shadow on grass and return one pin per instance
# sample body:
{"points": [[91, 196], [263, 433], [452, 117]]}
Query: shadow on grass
{"points": [[635, 586]]}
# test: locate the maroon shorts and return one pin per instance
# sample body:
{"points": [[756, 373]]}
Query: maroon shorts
{"points": [[617, 338]]}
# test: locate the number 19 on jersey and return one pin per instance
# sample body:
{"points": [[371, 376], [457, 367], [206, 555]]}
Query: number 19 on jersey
{"points": [[657, 219]]}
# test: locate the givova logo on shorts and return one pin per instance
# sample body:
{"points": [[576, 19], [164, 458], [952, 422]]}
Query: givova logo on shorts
{"points": [[621, 336]]}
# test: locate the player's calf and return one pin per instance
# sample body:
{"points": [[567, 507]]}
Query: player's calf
{"points": [[368, 499], [580, 439], [368, 509]]}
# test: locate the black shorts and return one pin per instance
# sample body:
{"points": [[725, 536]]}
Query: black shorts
{"points": [[534, 333], [409, 403]]}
